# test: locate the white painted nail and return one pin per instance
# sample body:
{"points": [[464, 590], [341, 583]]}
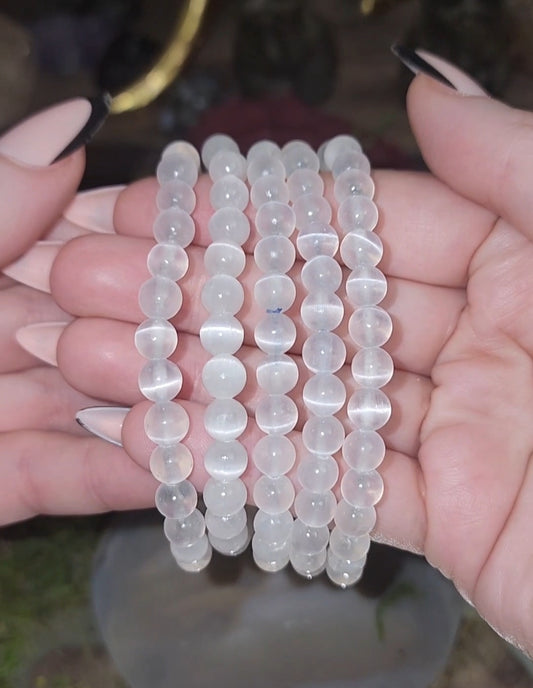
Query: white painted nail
{"points": [[40, 340], [94, 209], [34, 267], [104, 422]]}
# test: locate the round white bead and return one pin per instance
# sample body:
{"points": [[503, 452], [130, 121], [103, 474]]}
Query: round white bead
{"points": [[324, 394], [263, 146], [363, 450], [322, 310], [361, 247], [310, 208], [269, 188], [224, 376], [224, 257], [357, 212], [184, 148], [368, 408], [274, 455], [225, 419], [349, 548], [318, 473], [362, 489], [166, 423], [308, 540], [160, 380], [171, 464], [185, 532], [337, 145], [215, 143], [160, 297], [174, 226], [176, 501], [229, 224], [176, 194], [372, 367], [225, 461], [315, 509], [264, 164], [354, 521], [233, 546], [156, 338], [221, 333], [366, 286], [323, 435], [299, 155], [350, 160], [225, 527], [275, 333], [353, 183], [324, 352], [370, 326], [270, 559], [191, 554], [273, 528], [222, 294], [343, 573], [168, 260], [224, 499], [323, 271], [273, 495], [277, 374], [274, 254], [274, 292], [309, 565], [177, 165], [275, 218], [197, 564], [229, 191], [303, 182], [226, 162], [317, 239], [276, 413]]}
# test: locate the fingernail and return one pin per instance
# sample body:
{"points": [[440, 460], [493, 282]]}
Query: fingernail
{"points": [[40, 340], [423, 62], [64, 230], [104, 422], [34, 267], [55, 133], [94, 209]]}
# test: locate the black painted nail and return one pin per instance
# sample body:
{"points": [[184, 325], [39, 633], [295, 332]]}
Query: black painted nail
{"points": [[418, 65], [99, 111]]}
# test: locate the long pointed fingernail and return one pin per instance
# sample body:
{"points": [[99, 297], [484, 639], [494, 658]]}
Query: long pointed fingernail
{"points": [[40, 340], [424, 62], [104, 422], [94, 209], [64, 230], [34, 267], [55, 133]]}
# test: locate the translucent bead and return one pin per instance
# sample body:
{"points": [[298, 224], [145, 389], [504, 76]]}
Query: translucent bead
{"points": [[299, 156], [323, 435], [324, 394], [274, 455], [366, 286], [225, 461], [160, 380], [322, 310], [268, 558], [357, 212], [337, 145], [226, 258], [224, 499], [261, 147], [221, 334], [315, 509], [362, 489], [171, 464], [225, 527], [226, 162], [323, 271], [320, 152], [229, 191], [215, 143], [233, 546], [372, 367], [168, 260], [275, 333], [318, 473], [317, 239], [269, 188], [229, 224], [177, 165], [156, 338], [310, 208], [277, 374], [341, 573], [303, 182], [225, 419], [308, 540], [160, 297], [185, 532], [166, 423], [275, 218], [324, 352], [184, 148], [222, 294], [273, 495], [224, 376], [176, 194], [174, 226], [350, 160], [349, 548], [361, 247], [194, 552], [370, 326], [176, 501], [273, 528], [197, 564], [274, 254], [309, 565], [276, 413], [353, 183], [264, 164], [354, 521], [274, 292], [363, 450], [368, 408]]}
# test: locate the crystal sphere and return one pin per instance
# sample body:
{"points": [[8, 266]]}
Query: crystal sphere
{"points": [[273, 528], [225, 419], [363, 450], [274, 218], [309, 565], [168, 260], [166, 423], [156, 338], [225, 461], [226, 162], [350, 160], [324, 394], [337, 145], [354, 521], [321, 270], [268, 558], [322, 310], [171, 464], [184, 148], [310, 208], [191, 554], [224, 376], [222, 294], [274, 455], [224, 499], [185, 532], [274, 254], [215, 143], [224, 257], [349, 548], [357, 212], [229, 191], [273, 495], [233, 546], [176, 501], [341, 572], [361, 247], [372, 367], [362, 489], [324, 352], [276, 413], [264, 164], [308, 540], [277, 374], [160, 380], [317, 239], [269, 188], [225, 527], [196, 565], [274, 292], [323, 435], [366, 286], [174, 226], [221, 334], [160, 297], [263, 146], [305, 181], [177, 165], [229, 224], [275, 333], [353, 183], [368, 408], [299, 155], [318, 473], [315, 509], [176, 194], [370, 326]]}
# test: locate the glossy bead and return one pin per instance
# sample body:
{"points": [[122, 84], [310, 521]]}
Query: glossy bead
{"points": [[318, 473], [324, 394], [183, 148], [264, 164], [337, 145], [274, 292], [171, 464], [233, 546], [185, 532], [166, 423], [156, 338], [372, 367], [323, 271], [275, 218], [270, 559], [276, 413], [273, 528], [357, 212], [366, 286], [315, 509], [225, 527], [274, 455], [224, 499], [309, 565], [362, 489], [322, 310], [317, 239], [323, 435], [308, 540], [354, 521], [274, 254], [226, 162], [343, 573], [349, 548], [277, 374], [176, 501], [225, 258], [225, 419], [225, 461], [221, 333], [275, 333], [160, 380], [350, 160], [229, 224], [310, 208], [176, 194], [223, 376], [304, 181], [229, 191], [264, 146], [361, 247], [177, 165], [368, 408], [197, 564], [269, 188], [363, 450], [168, 260], [299, 155], [324, 352], [215, 143], [222, 294], [174, 226], [193, 553], [370, 326], [160, 297], [353, 183], [273, 495]]}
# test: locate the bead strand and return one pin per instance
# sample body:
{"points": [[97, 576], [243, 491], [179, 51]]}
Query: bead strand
{"points": [[160, 380], [370, 327], [224, 375], [276, 413], [323, 354]]}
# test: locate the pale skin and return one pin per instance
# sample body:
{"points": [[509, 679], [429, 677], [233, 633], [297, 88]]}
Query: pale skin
{"points": [[459, 257]]}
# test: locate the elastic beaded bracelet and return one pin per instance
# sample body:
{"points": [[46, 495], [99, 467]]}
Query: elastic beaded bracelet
{"points": [[224, 376], [323, 354], [276, 413], [370, 327], [167, 422]]}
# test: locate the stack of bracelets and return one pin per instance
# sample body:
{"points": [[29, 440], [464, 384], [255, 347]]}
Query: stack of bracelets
{"points": [[286, 193]]}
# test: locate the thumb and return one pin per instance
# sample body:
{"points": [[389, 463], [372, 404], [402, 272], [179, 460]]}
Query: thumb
{"points": [[41, 165]]}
